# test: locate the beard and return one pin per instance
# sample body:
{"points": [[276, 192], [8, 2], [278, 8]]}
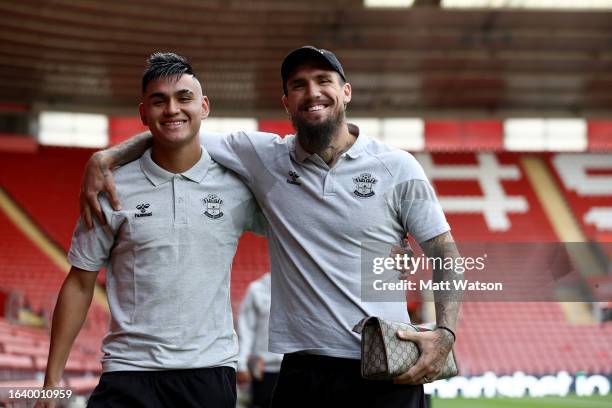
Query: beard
{"points": [[315, 137]]}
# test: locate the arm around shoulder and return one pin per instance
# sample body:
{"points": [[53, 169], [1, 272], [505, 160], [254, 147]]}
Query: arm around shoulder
{"points": [[98, 176], [245, 153]]}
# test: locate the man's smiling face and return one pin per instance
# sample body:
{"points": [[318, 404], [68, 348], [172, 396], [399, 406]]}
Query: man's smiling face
{"points": [[173, 109], [316, 99]]}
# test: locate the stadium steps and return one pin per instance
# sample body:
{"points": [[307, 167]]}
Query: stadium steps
{"points": [[26, 348], [567, 228], [13, 214], [551, 198], [536, 338], [578, 313], [36, 267], [586, 182]]}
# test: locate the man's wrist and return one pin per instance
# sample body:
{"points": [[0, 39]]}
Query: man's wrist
{"points": [[448, 332], [104, 159], [51, 383]]}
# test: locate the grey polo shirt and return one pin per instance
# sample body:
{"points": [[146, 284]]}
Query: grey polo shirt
{"points": [[168, 254], [318, 219]]}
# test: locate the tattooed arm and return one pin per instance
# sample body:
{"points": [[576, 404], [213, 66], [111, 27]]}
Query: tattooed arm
{"points": [[98, 176], [436, 345], [447, 304]]}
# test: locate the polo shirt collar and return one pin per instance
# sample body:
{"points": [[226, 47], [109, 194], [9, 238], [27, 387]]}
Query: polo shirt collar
{"points": [[199, 170], [357, 148], [353, 152], [158, 175]]}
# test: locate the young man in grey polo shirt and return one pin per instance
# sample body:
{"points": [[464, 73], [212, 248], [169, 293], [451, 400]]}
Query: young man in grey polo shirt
{"points": [[168, 254], [324, 192]]}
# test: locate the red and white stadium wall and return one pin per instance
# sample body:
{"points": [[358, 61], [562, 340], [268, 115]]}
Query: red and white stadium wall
{"points": [[413, 134], [440, 135]]}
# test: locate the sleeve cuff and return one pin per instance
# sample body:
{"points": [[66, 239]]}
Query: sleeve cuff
{"points": [[79, 263]]}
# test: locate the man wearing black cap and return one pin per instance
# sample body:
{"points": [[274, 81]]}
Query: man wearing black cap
{"points": [[319, 121], [324, 192]]}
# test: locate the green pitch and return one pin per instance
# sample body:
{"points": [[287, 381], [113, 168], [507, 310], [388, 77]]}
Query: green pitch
{"points": [[544, 402]]}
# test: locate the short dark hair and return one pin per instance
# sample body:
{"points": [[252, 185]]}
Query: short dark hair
{"points": [[165, 65]]}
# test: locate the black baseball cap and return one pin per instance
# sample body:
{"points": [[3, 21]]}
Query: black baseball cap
{"points": [[309, 53]]}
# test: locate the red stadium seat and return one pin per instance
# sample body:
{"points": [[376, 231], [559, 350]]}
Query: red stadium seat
{"points": [[10, 361]]}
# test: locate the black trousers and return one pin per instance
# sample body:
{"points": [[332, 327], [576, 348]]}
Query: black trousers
{"points": [[320, 382], [195, 388], [261, 390]]}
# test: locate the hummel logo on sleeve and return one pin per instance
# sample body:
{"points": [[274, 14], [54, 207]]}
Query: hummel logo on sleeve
{"points": [[212, 204], [364, 185], [294, 178], [143, 210]]}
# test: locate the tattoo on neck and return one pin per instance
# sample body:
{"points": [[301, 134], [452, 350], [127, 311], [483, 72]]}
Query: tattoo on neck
{"points": [[331, 153]]}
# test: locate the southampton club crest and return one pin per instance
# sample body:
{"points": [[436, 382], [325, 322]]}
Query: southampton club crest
{"points": [[363, 185], [212, 204]]}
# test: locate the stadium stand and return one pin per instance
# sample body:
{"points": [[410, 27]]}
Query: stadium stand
{"points": [[488, 197], [586, 181], [26, 270], [46, 185], [534, 338]]}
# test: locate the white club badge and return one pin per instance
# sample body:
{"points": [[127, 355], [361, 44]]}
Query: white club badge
{"points": [[364, 185], [212, 204]]}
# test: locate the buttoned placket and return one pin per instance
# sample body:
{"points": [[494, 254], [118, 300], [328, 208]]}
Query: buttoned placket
{"points": [[178, 183], [329, 179], [329, 183]]}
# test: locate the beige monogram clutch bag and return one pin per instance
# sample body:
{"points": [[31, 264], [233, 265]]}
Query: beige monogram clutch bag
{"points": [[384, 356]]}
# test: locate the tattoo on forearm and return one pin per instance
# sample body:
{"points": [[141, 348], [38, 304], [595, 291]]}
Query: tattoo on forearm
{"points": [[130, 149], [447, 304]]}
